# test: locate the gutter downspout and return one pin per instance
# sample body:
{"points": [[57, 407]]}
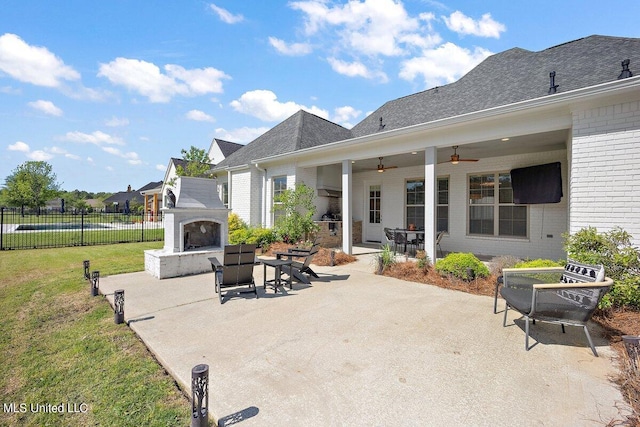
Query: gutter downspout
{"points": [[229, 197], [263, 214]]}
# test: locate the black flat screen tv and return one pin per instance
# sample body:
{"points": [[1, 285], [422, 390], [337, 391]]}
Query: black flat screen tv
{"points": [[537, 184]]}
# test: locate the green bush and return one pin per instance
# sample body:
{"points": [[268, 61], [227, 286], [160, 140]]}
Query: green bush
{"points": [[456, 264], [620, 258], [263, 237], [235, 223], [537, 263], [385, 259], [298, 208]]}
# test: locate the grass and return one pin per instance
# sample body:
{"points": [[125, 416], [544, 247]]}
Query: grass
{"points": [[47, 239], [59, 345]]}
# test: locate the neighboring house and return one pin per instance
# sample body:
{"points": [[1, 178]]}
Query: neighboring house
{"points": [[576, 104], [118, 201], [218, 151], [152, 194]]}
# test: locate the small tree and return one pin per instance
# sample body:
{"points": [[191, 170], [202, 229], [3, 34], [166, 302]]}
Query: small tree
{"points": [[197, 163], [298, 208], [31, 184]]}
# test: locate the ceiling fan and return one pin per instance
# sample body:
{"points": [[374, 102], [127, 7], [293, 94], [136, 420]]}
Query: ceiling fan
{"points": [[381, 168], [455, 157]]}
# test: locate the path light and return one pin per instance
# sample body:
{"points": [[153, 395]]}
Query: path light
{"points": [[200, 395], [86, 264], [95, 283], [118, 306]]}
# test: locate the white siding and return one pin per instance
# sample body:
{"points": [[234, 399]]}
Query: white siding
{"points": [[605, 164]]}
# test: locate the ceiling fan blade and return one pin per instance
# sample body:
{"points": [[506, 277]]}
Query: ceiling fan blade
{"points": [[467, 160]]}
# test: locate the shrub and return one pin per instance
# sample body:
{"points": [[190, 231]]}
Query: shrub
{"points": [[298, 208], [424, 262], [385, 259], [620, 258], [235, 223], [536, 263], [263, 237], [456, 264]]}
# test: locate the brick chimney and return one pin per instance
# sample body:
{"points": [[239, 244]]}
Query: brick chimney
{"points": [[128, 189]]}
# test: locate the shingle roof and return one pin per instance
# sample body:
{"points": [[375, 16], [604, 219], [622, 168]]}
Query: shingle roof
{"points": [[301, 130], [227, 147], [508, 77], [151, 186]]}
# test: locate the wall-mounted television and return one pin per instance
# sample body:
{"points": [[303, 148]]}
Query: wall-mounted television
{"points": [[537, 184]]}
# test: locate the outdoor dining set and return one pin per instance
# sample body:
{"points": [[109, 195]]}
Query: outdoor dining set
{"points": [[235, 272]]}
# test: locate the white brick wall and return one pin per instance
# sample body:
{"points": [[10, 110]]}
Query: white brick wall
{"points": [[241, 194], [283, 170], [605, 164]]}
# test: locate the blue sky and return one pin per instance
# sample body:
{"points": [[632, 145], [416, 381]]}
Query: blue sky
{"points": [[107, 92]]}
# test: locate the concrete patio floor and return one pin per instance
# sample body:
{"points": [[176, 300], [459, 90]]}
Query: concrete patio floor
{"points": [[357, 349]]}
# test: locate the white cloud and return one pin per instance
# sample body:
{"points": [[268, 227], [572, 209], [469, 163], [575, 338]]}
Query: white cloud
{"points": [[161, 168], [442, 65], [131, 157], [46, 107], [291, 49], [97, 138], [369, 27], [40, 156], [199, 116], [19, 146], [356, 69], [57, 150], [117, 122], [33, 64], [241, 135], [72, 156], [264, 105], [485, 27], [37, 155], [226, 16], [147, 79], [343, 115]]}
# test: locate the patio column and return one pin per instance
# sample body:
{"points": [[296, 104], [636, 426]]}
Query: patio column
{"points": [[156, 208], [347, 220], [430, 194]]}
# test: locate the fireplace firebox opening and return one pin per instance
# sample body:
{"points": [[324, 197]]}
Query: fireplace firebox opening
{"points": [[201, 234]]}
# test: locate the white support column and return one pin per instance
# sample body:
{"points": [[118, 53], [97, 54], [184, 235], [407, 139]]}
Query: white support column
{"points": [[347, 220], [430, 200]]}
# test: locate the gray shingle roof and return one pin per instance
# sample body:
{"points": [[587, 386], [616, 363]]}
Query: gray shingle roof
{"points": [[301, 130], [227, 147], [508, 77]]}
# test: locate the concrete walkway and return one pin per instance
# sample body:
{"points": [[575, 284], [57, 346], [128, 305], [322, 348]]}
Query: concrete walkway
{"points": [[356, 349]]}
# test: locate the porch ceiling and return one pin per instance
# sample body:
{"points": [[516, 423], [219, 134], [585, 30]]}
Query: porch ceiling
{"points": [[532, 143]]}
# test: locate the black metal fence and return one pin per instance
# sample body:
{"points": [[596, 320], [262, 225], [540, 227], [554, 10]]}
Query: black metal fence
{"points": [[23, 229]]}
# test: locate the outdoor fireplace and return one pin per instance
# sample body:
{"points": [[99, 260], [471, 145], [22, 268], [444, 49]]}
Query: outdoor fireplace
{"points": [[195, 229]]}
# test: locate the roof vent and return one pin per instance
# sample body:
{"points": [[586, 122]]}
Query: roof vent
{"points": [[625, 70], [553, 87], [381, 125]]}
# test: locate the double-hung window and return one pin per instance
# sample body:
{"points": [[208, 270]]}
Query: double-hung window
{"points": [[225, 194], [491, 208], [415, 199], [279, 186]]}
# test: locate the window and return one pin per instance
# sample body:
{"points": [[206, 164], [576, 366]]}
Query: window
{"points": [[279, 186], [495, 216], [374, 204], [442, 206], [225, 194], [415, 202]]}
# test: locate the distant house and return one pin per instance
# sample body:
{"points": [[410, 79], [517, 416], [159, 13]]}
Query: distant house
{"points": [[152, 194], [218, 151], [575, 106], [118, 202]]}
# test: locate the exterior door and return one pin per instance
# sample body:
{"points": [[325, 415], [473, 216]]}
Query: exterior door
{"points": [[373, 212]]}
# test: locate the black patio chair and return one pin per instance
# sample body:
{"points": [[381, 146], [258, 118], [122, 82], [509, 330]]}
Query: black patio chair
{"points": [[300, 263], [236, 270], [566, 295]]}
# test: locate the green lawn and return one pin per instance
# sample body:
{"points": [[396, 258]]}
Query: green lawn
{"points": [[60, 346]]}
